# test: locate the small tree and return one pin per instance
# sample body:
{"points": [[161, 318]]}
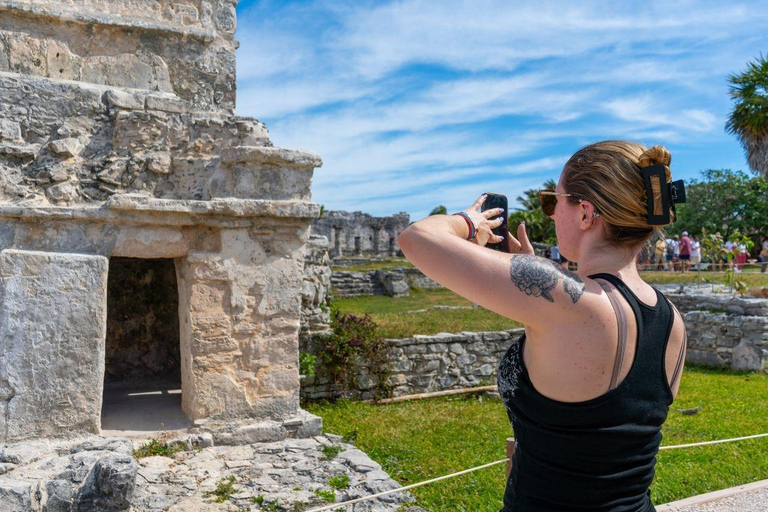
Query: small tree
{"points": [[439, 210], [749, 118]]}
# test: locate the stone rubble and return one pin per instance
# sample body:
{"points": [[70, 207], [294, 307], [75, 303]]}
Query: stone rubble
{"points": [[96, 474]]}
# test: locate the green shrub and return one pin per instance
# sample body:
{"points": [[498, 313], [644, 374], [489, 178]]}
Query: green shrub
{"points": [[307, 364], [355, 340]]}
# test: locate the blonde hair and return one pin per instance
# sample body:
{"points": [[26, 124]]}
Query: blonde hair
{"points": [[608, 175]]}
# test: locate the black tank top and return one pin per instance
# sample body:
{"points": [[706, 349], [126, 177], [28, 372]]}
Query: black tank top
{"points": [[597, 455]]}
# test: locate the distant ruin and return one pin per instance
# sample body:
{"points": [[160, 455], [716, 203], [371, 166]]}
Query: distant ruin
{"points": [[147, 234], [358, 234]]}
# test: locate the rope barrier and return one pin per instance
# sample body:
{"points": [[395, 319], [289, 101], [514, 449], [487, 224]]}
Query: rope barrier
{"points": [[713, 442], [464, 472]]}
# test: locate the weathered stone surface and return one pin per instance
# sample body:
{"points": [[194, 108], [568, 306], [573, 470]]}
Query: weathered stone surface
{"points": [[15, 495], [56, 303], [110, 485], [118, 138]]}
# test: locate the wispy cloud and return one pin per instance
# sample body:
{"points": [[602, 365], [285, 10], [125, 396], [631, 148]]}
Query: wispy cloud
{"points": [[414, 104]]}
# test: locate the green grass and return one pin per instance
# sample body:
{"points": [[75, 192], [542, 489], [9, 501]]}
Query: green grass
{"points": [[156, 448], [225, 488], [751, 278], [376, 265], [422, 439], [388, 313]]}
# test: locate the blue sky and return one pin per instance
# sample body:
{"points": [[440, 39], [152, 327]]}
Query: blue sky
{"points": [[413, 104]]}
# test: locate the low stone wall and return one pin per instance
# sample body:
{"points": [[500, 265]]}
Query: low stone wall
{"points": [[732, 341], [394, 282], [423, 364], [724, 329]]}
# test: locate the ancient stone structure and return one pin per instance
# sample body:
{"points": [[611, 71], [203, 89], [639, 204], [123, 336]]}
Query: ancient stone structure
{"points": [[724, 329], [315, 291], [360, 234], [393, 282], [124, 172]]}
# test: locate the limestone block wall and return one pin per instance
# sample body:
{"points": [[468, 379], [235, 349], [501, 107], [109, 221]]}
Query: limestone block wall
{"points": [[724, 329], [393, 282], [182, 47], [737, 342], [358, 233], [315, 290], [53, 318], [423, 364], [65, 143]]}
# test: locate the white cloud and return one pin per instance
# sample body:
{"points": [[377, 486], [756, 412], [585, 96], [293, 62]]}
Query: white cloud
{"points": [[409, 100]]}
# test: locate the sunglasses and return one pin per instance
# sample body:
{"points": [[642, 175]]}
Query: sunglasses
{"points": [[548, 200]]}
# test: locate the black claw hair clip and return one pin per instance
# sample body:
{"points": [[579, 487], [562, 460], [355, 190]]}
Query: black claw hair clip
{"points": [[662, 196]]}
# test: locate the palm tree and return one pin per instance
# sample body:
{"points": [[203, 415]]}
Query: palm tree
{"points": [[749, 118]]}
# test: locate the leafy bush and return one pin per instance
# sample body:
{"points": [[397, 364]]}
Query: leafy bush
{"points": [[355, 340], [307, 364]]}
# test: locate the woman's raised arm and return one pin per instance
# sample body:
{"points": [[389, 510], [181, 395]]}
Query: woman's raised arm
{"points": [[520, 285]]}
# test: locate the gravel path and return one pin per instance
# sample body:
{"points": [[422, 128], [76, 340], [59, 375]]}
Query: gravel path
{"points": [[754, 500]]}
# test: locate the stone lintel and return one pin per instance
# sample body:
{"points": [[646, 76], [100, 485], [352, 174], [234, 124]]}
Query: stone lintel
{"points": [[166, 211], [49, 11], [276, 156], [120, 97]]}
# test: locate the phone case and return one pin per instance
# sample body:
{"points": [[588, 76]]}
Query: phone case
{"points": [[498, 201]]}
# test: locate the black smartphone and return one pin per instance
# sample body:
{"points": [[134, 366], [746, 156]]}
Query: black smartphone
{"points": [[498, 201]]}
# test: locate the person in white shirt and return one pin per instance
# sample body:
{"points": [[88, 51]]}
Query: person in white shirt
{"points": [[695, 252]]}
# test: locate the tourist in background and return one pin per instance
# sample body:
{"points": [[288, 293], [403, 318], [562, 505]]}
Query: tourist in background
{"points": [[685, 252], [763, 256], [676, 253], [659, 254], [729, 254], [670, 254], [696, 253], [554, 254], [740, 256]]}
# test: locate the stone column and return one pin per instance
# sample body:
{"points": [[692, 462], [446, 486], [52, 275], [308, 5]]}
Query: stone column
{"points": [[376, 239], [240, 324], [53, 313], [338, 246]]}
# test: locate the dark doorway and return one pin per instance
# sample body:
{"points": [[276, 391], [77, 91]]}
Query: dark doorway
{"points": [[142, 380]]}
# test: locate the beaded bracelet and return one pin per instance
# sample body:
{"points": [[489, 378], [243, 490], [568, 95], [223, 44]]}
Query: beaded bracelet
{"points": [[470, 224]]}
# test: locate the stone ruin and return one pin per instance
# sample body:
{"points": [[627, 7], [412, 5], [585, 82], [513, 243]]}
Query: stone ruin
{"points": [[358, 234], [149, 238]]}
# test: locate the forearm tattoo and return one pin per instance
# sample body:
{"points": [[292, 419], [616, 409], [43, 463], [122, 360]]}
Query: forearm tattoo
{"points": [[538, 277]]}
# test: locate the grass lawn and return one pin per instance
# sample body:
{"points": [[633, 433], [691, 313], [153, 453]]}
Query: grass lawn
{"points": [[376, 265], [389, 314], [422, 439], [752, 277]]}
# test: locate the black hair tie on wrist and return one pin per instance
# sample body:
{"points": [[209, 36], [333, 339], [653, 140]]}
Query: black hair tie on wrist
{"points": [[671, 193]]}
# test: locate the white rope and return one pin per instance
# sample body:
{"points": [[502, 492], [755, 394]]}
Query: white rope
{"points": [[391, 491], [400, 489], [712, 442]]}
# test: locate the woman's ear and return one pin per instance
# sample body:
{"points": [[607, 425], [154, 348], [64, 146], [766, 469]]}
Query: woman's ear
{"points": [[588, 215]]}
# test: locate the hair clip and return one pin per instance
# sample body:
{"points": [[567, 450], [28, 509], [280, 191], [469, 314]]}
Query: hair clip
{"points": [[662, 196]]}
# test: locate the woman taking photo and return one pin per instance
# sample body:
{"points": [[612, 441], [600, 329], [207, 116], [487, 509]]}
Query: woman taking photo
{"points": [[589, 384]]}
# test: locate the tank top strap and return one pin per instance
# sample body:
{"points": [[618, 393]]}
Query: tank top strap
{"points": [[654, 325]]}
